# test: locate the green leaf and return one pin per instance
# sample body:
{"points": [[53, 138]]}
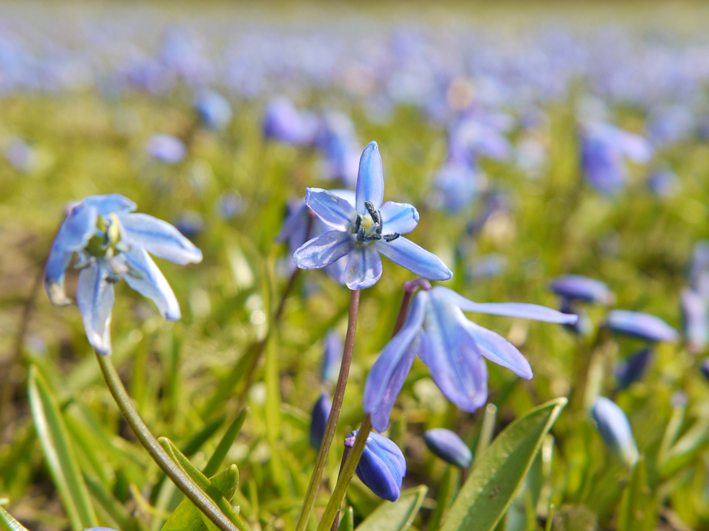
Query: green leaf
{"points": [[396, 516], [686, 449], [637, 505], [498, 474], [347, 522], [59, 455], [447, 491], [8, 523], [225, 444], [188, 518]]}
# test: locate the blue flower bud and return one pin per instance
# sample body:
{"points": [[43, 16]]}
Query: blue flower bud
{"points": [[640, 325], [615, 430], [695, 320], [448, 446], [382, 467], [632, 370], [320, 414], [332, 357], [577, 287], [704, 367]]}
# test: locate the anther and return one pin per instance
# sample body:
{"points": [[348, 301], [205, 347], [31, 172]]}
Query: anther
{"points": [[113, 278], [391, 237], [372, 212], [358, 223], [361, 234]]}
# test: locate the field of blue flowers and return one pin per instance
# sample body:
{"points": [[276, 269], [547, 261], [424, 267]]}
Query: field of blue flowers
{"points": [[331, 268]]}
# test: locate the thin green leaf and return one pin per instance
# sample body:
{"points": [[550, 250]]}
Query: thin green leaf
{"points": [[347, 522], [8, 523], [110, 504], [59, 455], [498, 474], [447, 491], [396, 516], [225, 444], [637, 505], [686, 449]]}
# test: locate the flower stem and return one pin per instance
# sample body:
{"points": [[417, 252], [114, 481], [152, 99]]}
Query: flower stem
{"points": [[183, 482], [486, 431], [331, 426]]}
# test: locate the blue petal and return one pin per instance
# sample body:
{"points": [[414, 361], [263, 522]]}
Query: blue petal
{"points": [[153, 284], [75, 232], [364, 268], [386, 378], [295, 222], [334, 211], [582, 288], [332, 357], [318, 420], [382, 467], [508, 309], [110, 204], [497, 349], [455, 363], [95, 299], [447, 445], [641, 325], [414, 258], [615, 429], [323, 250], [159, 238], [399, 217], [370, 179]]}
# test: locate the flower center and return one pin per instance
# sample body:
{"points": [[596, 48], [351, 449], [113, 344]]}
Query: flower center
{"points": [[368, 228]]}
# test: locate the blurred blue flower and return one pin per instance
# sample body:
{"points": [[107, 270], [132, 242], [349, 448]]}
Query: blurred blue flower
{"points": [[166, 148], [631, 371], [447, 445], [214, 109], [603, 150], [640, 325], [111, 242], [382, 467], [332, 357], [487, 266], [615, 430], [453, 348], [190, 224], [365, 231], [695, 318], [704, 368], [338, 142], [20, 154], [584, 326], [495, 202], [284, 123], [318, 422], [664, 183], [577, 287]]}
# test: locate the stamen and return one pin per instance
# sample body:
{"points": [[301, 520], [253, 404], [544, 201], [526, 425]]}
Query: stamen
{"points": [[122, 247], [373, 212], [358, 223], [361, 234], [113, 278], [391, 237]]}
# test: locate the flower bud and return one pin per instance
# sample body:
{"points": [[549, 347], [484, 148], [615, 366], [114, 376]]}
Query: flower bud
{"points": [[448, 446], [382, 467], [640, 325], [632, 370], [332, 357], [615, 430], [695, 320], [577, 287], [320, 414]]}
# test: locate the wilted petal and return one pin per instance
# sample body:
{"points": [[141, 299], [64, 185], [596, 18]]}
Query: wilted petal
{"points": [[414, 258], [370, 179], [386, 378], [447, 445], [75, 232], [334, 211], [323, 250], [640, 325], [95, 299], [399, 217], [508, 309], [615, 430], [450, 353], [382, 466], [364, 267], [582, 288], [110, 204], [159, 238], [497, 349], [145, 278]]}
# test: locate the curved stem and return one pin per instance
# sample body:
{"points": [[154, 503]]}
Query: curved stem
{"points": [[183, 482], [321, 460]]}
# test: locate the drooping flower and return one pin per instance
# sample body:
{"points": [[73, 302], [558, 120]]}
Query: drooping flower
{"points": [[447, 445], [578, 287], [382, 466], [640, 325], [318, 420], [112, 241], [615, 430], [364, 231], [453, 347]]}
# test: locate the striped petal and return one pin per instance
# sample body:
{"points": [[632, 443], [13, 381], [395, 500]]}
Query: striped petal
{"points": [[95, 299], [370, 179], [399, 217], [323, 250], [410, 256], [159, 238], [364, 267], [145, 278], [333, 210]]}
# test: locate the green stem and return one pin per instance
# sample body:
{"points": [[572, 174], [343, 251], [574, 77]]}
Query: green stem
{"points": [[486, 430], [331, 426], [147, 439]]}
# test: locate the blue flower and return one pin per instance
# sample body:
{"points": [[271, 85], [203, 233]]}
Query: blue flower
{"points": [[364, 231], [332, 357], [615, 430], [631, 371], [166, 148], [284, 123], [447, 445], [111, 242], [214, 109], [695, 320], [453, 347], [318, 422], [640, 325], [382, 466], [577, 287]]}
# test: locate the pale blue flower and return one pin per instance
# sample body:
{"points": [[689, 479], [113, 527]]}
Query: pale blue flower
{"points": [[382, 466], [112, 241], [448, 445], [640, 325], [453, 347], [364, 231], [166, 148], [615, 430], [214, 109]]}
